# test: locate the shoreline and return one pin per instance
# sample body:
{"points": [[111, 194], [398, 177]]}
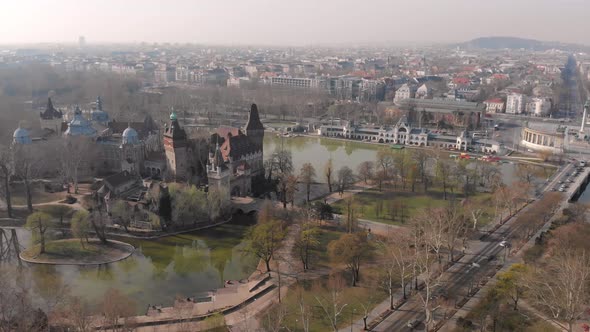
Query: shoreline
{"points": [[126, 250]]}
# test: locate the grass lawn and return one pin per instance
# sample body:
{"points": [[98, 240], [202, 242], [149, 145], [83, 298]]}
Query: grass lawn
{"points": [[315, 292], [71, 251], [327, 235], [38, 192], [397, 206]]}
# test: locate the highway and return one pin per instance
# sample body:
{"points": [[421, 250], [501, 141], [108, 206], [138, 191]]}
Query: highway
{"points": [[485, 253]]}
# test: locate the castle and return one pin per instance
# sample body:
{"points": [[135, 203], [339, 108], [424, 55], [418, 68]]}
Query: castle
{"points": [[229, 161]]}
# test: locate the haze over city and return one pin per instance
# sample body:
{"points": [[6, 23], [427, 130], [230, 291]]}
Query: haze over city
{"points": [[301, 22], [294, 165]]}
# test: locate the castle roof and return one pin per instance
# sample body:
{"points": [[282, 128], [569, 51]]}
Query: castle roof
{"points": [[254, 119], [50, 112], [21, 136], [143, 128], [80, 126], [130, 136], [174, 130]]}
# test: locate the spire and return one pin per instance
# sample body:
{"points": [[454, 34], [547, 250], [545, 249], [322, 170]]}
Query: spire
{"points": [[254, 119], [49, 104], [77, 110], [218, 158]]}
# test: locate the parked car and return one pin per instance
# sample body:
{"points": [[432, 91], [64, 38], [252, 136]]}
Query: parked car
{"points": [[413, 323]]}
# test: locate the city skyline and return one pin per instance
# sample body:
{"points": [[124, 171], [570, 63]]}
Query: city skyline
{"points": [[264, 22]]}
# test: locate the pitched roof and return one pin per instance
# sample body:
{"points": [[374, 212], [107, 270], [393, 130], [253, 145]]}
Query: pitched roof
{"points": [[254, 119], [142, 128], [50, 112], [118, 179], [174, 131]]}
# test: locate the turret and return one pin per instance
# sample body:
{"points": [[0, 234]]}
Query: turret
{"points": [[254, 128]]}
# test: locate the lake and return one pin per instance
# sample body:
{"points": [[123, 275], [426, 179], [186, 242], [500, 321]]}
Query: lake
{"points": [[186, 265]]}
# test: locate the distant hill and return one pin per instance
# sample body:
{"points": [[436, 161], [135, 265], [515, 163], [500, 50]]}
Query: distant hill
{"points": [[518, 43]]}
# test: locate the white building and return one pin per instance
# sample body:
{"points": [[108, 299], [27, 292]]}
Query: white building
{"points": [[539, 106], [515, 103], [404, 134], [307, 83], [495, 105], [404, 92]]}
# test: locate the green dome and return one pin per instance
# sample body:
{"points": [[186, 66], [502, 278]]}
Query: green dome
{"points": [[173, 116]]}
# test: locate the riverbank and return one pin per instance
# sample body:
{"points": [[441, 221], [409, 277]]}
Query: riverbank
{"points": [[75, 252]]}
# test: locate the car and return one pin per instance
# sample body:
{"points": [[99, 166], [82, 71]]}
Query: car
{"points": [[582, 164], [413, 323], [503, 243], [561, 189], [569, 181], [560, 181]]}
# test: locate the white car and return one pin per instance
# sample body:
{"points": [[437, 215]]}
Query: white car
{"points": [[503, 243]]}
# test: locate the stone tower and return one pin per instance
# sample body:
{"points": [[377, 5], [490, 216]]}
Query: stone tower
{"points": [[254, 128], [132, 152], [255, 133], [51, 118], [175, 144], [218, 176]]}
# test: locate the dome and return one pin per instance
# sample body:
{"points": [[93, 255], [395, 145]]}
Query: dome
{"points": [[173, 116], [21, 136], [130, 136]]}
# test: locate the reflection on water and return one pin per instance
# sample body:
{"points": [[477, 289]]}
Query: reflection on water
{"points": [[317, 150], [186, 264]]}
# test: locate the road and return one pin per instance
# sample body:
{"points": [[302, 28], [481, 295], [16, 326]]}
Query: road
{"points": [[485, 253]]}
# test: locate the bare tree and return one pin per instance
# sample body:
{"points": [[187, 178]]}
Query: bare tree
{"points": [[365, 170], [117, 310], [76, 154], [307, 176], [28, 161], [329, 173], [6, 171], [332, 303], [345, 179], [398, 262], [561, 288]]}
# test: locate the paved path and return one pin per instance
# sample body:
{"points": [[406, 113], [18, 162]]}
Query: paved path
{"points": [[454, 279]]}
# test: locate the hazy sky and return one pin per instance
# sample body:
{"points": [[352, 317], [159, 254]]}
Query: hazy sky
{"points": [[291, 22]]}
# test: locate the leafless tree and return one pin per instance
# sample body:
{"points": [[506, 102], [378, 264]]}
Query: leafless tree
{"points": [[329, 173], [398, 261], [28, 162], [365, 170], [561, 288], [346, 179], [332, 303], [307, 176], [6, 171]]}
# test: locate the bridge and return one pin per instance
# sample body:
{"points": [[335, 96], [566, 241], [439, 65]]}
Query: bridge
{"points": [[579, 185], [245, 205]]}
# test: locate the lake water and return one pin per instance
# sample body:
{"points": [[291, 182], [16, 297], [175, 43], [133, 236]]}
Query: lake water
{"points": [[189, 264], [318, 150], [186, 265]]}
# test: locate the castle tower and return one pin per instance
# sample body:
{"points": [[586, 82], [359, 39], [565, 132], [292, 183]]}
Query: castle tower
{"points": [[218, 176], [51, 118], [254, 128], [255, 132], [175, 144], [132, 153]]}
